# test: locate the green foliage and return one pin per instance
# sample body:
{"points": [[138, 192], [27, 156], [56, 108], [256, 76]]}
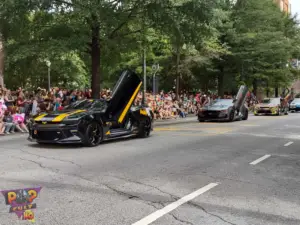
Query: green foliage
{"points": [[219, 44]]}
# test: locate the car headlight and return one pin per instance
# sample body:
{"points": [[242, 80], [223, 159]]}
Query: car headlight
{"points": [[224, 111]]}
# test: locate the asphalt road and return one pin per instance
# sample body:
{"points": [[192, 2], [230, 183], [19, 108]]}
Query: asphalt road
{"points": [[245, 172]]}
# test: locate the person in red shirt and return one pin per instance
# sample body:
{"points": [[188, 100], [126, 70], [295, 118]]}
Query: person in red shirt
{"points": [[20, 103]]}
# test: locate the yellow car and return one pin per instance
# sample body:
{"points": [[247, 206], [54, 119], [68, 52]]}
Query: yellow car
{"points": [[271, 106]]}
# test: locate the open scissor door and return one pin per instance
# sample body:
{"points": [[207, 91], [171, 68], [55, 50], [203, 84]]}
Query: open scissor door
{"points": [[123, 96]]}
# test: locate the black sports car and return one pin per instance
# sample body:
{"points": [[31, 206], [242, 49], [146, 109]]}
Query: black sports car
{"points": [[92, 121], [226, 109]]}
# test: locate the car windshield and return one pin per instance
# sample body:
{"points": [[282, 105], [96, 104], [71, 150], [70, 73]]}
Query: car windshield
{"points": [[86, 104], [271, 101], [296, 100], [222, 102]]}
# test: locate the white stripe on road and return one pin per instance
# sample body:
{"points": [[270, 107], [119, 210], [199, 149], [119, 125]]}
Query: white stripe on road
{"points": [[289, 143], [260, 159], [159, 213]]}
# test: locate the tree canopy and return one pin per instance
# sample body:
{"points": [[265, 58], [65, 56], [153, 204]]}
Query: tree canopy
{"points": [[204, 44]]}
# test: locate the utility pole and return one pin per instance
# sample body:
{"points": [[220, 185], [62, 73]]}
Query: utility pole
{"points": [[145, 75], [155, 69], [177, 72], [48, 63]]}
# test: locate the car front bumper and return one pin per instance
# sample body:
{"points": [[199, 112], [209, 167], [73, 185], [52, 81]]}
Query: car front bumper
{"points": [[295, 108], [272, 111], [213, 115], [55, 133]]}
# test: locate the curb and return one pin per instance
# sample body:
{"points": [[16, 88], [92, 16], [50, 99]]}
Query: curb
{"points": [[176, 121]]}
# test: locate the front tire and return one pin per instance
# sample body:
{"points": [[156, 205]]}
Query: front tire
{"points": [[231, 116], [93, 134]]}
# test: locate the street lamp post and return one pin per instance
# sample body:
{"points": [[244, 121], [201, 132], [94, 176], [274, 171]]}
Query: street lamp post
{"points": [[48, 63], [155, 69]]}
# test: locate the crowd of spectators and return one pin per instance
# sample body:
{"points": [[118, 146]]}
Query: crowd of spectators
{"points": [[167, 106], [16, 107]]}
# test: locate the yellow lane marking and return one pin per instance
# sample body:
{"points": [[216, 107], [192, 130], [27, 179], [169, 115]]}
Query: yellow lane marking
{"points": [[249, 125], [201, 132], [197, 135], [190, 129]]}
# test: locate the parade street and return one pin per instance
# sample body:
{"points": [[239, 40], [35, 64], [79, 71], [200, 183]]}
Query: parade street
{"points": [[245, 172]]}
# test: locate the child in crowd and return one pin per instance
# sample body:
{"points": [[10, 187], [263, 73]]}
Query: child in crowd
{"points": [[9, 123], [18, 120], [2, 110]]}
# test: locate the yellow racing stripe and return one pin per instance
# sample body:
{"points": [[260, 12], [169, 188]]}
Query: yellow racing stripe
{"points": [[129, 103], [60, 117]]}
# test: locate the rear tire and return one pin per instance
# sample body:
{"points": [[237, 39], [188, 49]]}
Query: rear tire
{"points": [[245, 117], [93, 134], [144, 129], [200, 120]]}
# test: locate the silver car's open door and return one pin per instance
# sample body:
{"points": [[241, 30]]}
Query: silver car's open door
{"points": [[240, 99]]}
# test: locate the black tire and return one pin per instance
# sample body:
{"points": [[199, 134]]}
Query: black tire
{"points": [[245, 117], [144, 129], [93, 134], [200, 120], [231, 115]]}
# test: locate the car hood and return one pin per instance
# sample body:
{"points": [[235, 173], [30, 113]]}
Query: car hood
{"points": [[295, 103], [215, 108], [57, 116], [266, 105]]}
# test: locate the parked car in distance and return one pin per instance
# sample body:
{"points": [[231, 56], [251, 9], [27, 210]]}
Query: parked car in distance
{"points": [[295, 105]]}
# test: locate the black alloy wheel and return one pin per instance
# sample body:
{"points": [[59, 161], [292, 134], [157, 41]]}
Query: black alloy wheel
{"points": [[93, 134], [144, 128], [278, 112], [231, 115], [245, 117], [200, 120]]}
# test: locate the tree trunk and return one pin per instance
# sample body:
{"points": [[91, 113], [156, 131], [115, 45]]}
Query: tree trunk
{"points": [[254, 87], [221, 82], [95, 56], [276, 91], [177, 72], [1, 62]]}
